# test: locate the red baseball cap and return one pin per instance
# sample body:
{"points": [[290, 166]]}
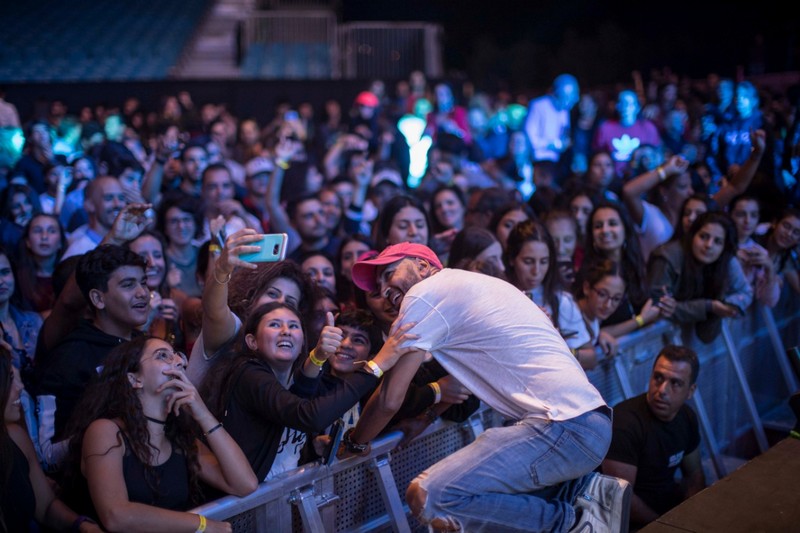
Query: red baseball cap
{"points": [[367, 99], [364, 272]]}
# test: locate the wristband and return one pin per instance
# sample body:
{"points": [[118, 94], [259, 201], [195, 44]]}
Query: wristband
{"points": [[215, 249], [372, 367], [203, 524], [314, 360], [283, 164], [353, 447], [639, 320], [662, 174], [212, 430], [437, 391]]}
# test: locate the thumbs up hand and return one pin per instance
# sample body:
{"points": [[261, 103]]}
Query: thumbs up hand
{"points": [[329, 340]]}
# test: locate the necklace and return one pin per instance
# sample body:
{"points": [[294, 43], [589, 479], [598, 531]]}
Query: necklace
{"points": [[156, 420]]}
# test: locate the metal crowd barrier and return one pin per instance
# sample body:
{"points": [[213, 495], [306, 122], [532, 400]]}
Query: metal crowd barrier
{"points": [[744, 380]]}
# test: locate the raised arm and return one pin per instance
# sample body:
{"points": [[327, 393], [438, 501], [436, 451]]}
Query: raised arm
{"points": [[633, 191], [742, 178], [219, 324], [641, 513]]}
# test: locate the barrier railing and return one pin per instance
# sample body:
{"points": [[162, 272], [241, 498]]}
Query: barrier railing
{"points": [[367, 493]]}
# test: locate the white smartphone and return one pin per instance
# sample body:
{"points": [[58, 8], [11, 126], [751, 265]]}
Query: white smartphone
{"points": [[273, 248]]}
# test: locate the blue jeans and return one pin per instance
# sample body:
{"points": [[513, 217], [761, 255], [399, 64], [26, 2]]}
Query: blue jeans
{"points": [[518, 478]]}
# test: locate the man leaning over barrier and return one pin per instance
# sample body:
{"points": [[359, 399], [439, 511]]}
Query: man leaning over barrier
{"points": [[535, 475]]}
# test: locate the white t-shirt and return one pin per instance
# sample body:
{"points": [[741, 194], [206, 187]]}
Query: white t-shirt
{"points": [[655, 229], [493, 339]]}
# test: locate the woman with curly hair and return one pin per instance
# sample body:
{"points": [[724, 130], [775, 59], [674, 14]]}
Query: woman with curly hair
{"points": [[135, 450], [233, 288]]}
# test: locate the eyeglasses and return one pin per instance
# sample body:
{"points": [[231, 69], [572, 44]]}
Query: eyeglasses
{"points": [[605, 296], [170, 356]]}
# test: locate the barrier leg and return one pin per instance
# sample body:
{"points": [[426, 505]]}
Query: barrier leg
{"points": [[389, 494], [780, 349], [708, 435], [307, 505], [747, 395], [622, 377]]}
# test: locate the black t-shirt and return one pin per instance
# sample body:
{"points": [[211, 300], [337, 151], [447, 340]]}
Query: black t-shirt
{"points": [[655, 447]]}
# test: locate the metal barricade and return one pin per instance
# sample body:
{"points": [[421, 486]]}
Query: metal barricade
{"points": [[367, 493]]}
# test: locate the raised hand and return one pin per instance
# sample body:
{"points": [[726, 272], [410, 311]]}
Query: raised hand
{"points": [[184, 395], [329, 340], [130, 222]]}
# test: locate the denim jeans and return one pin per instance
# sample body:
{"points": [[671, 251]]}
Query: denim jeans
{"points": [[519, 478]]}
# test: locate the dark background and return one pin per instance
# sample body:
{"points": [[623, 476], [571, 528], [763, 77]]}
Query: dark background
{"points": [[525, 43]]}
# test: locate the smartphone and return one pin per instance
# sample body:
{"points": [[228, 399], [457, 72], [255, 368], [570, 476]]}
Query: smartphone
{"points": [[290, 115], [273, 248], [335, 433]]}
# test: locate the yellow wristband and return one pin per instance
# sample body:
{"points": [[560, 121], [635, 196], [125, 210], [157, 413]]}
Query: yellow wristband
{"points": [[203, 524], [639, 320], [437, 391], [373, 368], [314, 360], [283, 164], [214, 248]]}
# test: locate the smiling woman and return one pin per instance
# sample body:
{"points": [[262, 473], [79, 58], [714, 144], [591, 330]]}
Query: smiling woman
{"points": [[265, 397], [703, 275]]}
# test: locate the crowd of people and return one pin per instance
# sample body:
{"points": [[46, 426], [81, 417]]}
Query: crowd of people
{"points": [[479, 248]]}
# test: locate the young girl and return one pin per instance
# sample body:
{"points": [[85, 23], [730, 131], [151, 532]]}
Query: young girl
{"points": [[703, 275], [754, 258], [266, 397], [39, 251], [135, 451], [474, 243], [781, 244], [563, 228], [530, 255], [601, 291], [611, 235], [164, 301], [402, 219]]}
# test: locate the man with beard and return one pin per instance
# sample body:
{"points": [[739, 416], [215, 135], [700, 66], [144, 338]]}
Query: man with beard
{"points": [[104, 199], [534, 475]]}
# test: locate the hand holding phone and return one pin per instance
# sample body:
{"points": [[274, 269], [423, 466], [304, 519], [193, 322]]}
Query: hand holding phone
{"points": [[273, 249]]}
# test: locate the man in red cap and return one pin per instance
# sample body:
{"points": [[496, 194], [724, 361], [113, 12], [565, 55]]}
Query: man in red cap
{"points": [[534, 475]]}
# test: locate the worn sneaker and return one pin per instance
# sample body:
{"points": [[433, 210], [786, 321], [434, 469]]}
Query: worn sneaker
{"points": [[603, 506]]}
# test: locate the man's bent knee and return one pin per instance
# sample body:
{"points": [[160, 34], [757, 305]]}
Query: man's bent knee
{"points": [[417, 497]]}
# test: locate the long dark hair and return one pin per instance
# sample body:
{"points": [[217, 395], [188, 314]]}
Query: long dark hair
{"points": [[385, 218], [218, 386], [469, 243], [533, 231], [111, 396], [436, 226], [698, 280], [631, 259], [247, 286], [29, 287]]}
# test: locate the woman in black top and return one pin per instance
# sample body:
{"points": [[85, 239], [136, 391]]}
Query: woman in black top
{"points": [[135, 444], [25, 493]]}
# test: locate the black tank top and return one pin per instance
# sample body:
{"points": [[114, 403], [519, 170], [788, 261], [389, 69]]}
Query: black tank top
{"points": [[18, 499], [171, 483]]}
